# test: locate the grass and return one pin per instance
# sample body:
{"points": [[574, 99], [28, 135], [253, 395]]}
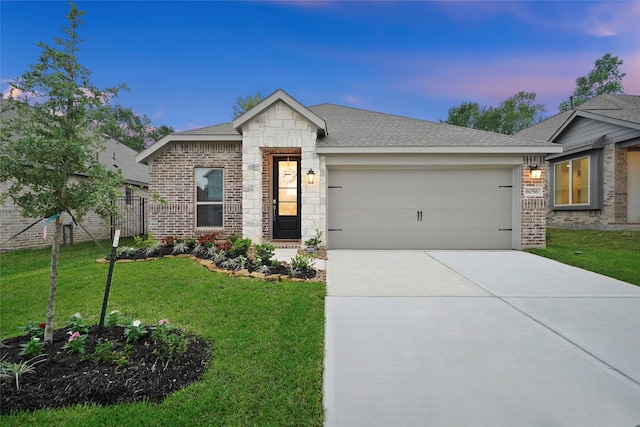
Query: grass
{"points": [[611, 253], [266, 367]]}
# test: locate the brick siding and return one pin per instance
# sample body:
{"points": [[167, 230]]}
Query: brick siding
{"points": [[172, 177]]}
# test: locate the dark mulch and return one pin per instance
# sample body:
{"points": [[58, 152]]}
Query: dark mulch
{"points": [[65, 379]]}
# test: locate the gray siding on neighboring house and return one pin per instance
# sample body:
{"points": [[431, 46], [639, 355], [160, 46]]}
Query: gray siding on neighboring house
{"points": [[587, 130]]}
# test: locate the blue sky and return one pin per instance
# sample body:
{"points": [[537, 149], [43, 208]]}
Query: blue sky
{"points": [[186, 63]]}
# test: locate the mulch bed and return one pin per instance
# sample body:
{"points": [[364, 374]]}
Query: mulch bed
{"points": [[65, 379]]}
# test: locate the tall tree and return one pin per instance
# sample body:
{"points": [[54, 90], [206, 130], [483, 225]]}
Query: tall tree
{"points": [[243, 105], [606, 77], [48, 139], [127, 127], [511, 116]]}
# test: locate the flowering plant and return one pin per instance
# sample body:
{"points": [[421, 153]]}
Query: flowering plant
{"points": [[33, 348], [169, 345], [77, 324], [114, 318], [75, 343], [34, 329], [134, 330]]}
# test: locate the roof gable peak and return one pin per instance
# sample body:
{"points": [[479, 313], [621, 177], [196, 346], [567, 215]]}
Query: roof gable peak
{"points": [[277, 96]]}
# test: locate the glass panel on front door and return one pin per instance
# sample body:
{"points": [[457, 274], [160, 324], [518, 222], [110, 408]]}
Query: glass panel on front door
{"points": [[287, 188], [286, 219]]}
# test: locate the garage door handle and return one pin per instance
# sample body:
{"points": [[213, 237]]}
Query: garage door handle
{"points": [[419, 216]]}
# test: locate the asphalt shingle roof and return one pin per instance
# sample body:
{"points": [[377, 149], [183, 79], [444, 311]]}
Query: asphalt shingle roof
{"points": [[353, 127], [608, 106]]}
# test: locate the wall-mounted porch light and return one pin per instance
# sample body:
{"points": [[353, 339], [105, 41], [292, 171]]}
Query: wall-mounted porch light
{"points": [[311, 177], [535, 171]]}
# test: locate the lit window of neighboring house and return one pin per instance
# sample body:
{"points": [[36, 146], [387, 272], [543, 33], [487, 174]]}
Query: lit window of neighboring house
{"points": [[209, 197], [576, 182], [572, 182]]}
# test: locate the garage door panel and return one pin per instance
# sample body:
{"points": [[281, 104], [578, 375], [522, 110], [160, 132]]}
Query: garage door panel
{"points": [[420, 209]]}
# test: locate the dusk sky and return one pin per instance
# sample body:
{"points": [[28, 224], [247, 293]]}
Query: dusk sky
{"points": [[186, 63]]}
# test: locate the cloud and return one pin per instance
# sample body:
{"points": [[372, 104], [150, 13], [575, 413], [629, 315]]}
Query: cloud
{"points": [[490, 81], [613, 19], [352, 100]]}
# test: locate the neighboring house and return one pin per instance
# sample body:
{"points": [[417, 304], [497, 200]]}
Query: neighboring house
{"points": [[379, 181], [115, 156], [595, 181]]}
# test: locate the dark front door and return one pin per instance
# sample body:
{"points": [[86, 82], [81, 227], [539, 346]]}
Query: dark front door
{"points": [[286, 198]]}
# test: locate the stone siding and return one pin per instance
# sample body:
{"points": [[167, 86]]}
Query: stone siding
{"points": [[278, 128], [172, 178]]}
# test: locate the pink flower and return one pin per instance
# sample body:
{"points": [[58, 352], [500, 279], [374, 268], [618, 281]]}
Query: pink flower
{"points": [[42, 325], [74, 336], [163, 322]]}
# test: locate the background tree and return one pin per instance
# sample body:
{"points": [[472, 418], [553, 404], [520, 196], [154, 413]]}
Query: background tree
{"points": [[604, 78], [511, 116], [127, 127], [245, 104], [48, 139]]}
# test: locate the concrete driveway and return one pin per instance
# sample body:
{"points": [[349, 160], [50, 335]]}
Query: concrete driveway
{"points": [[478, 338]]}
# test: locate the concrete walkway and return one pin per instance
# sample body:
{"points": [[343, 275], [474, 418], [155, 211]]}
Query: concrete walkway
{"points": [[478, 338]]}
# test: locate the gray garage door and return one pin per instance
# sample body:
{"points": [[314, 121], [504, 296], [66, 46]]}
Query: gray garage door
{"points": [[420, 209]]}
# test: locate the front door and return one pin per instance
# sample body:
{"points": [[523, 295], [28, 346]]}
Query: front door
{"points": [[286, 198]]}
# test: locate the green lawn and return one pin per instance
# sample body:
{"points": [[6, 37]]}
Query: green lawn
{"points": [[266, 368], [612, 253]]}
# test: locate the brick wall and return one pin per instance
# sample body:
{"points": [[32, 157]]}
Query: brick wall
{"points": [[533, 210], [12, 222], [613, 214], [172, 177]]}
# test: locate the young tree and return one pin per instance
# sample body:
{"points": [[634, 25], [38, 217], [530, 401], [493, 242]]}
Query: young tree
{"points": [[48, 140], [604, 78], [511, 116], [245, 104], [127, 127]]}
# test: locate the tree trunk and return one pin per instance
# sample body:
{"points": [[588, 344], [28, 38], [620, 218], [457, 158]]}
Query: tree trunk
{"points": [[53, 282]]}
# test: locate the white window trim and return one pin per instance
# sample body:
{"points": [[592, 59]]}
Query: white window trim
{"points": [[555, 182], [197, 203]]}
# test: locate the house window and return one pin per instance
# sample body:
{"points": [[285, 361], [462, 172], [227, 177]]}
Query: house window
{"points": [[128, 194], [572, 182], [209, 197]]}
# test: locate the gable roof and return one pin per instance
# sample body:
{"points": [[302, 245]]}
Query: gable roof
{"points": [[623, 110], [346, 129], [280, 95]]}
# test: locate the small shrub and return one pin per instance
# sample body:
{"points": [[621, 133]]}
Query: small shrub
{"points": [[144, 242], [315, 241], [239, 247], [33, 348], [170, 345], [104, 352], [208, 239], [125, 251], [169, 241], [264, 253], [302, 261]]}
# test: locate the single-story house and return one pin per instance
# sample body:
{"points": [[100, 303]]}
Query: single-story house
{"points": [[115, 156], [281, 171], [595, 181]]}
